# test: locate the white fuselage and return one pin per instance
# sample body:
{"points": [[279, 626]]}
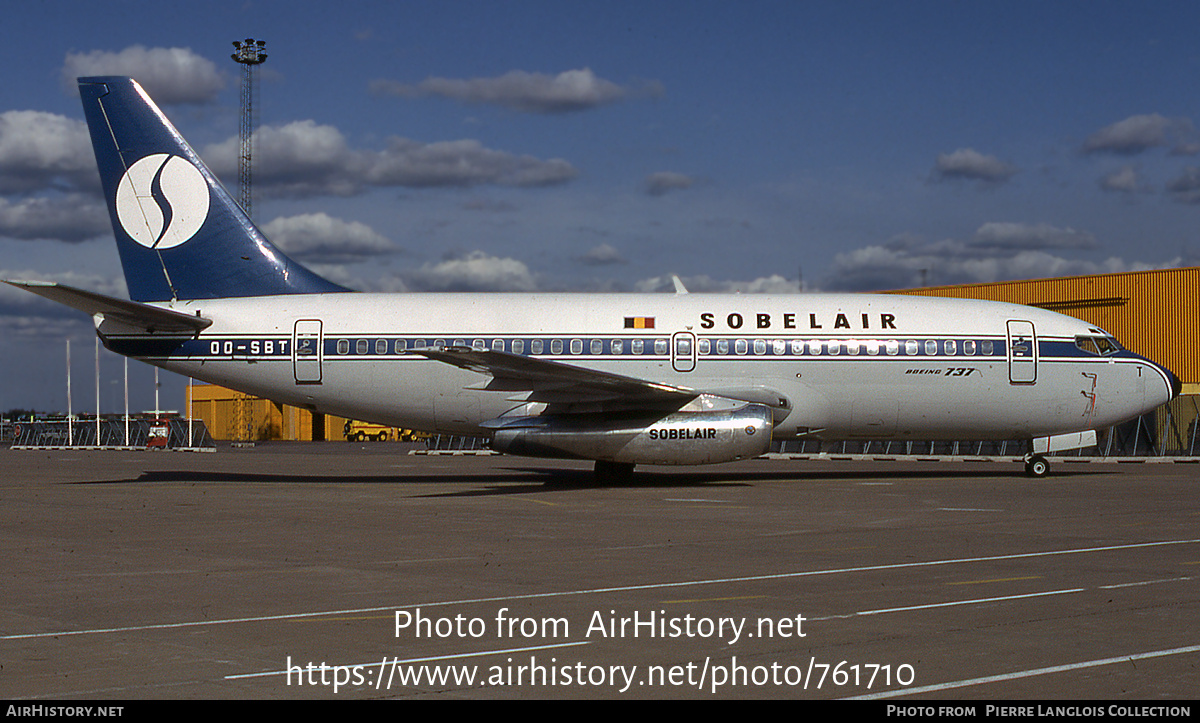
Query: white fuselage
{"points": [[849, 366]]}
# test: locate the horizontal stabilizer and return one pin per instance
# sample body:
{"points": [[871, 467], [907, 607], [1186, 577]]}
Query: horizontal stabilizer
{"points": [[153, 319]]}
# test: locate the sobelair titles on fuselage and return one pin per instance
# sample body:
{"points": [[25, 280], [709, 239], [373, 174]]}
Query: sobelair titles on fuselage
{"points": [[620, 379]]}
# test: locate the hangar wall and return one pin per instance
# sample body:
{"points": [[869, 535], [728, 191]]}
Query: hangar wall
{"points": [[244, 417]]}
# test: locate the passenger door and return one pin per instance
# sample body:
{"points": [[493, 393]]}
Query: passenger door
{"points": [[1022, 352], [306, 351]]}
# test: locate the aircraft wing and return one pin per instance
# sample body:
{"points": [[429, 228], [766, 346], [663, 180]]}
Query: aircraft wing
{"points": [[153, 319], [557, 383]]}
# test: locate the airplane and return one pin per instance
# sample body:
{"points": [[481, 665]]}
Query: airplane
{"points": [[618, 379]]}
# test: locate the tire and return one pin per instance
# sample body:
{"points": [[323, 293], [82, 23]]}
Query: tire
{"points": [[1037, 467]]}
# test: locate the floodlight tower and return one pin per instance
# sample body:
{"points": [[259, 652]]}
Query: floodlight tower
{"points": [[249, 54]]}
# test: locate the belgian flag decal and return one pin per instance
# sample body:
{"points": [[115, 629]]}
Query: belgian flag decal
{"points": [[639, 322]]}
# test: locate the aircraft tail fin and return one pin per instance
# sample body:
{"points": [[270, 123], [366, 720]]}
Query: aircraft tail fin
{"points": [[180, 234]]}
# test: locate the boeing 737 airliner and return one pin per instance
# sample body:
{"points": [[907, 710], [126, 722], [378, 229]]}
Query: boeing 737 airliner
{"points": [[620, 379]]}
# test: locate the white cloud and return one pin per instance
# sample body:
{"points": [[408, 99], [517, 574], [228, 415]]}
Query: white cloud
{"points": [[321, 239], [43, 150], [169, 75], [571, 90], [703, 284], [71, 218], [303, 159], [1122, 180], [969, 164], [997, 236], [658, 184], [476, 271], [1131, 136], [602, 255]]}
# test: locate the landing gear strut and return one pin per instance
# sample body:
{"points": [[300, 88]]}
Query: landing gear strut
{"points": [[1036, 466]]}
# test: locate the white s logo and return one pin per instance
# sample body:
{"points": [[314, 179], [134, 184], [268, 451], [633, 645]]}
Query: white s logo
{"points": [[162, 201]]}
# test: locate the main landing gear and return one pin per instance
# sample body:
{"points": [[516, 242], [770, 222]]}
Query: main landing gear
{"points": [[1036, 466]]}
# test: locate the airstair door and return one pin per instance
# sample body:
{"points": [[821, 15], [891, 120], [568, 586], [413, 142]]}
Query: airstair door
{"points": [[1022, 352], [306, 351], [683, 351]]}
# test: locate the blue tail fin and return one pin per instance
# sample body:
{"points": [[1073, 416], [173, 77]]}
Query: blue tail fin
{"points": [[180, 234]]}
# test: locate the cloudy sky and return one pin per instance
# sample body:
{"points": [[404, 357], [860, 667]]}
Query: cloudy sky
{"points": [[604, 146]]}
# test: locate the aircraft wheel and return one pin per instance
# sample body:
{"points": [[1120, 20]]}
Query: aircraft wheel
{"points": [[614, 471], [1037, 467]]}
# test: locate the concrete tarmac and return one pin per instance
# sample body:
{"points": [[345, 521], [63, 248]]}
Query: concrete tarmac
{"points": [[357, 571]]}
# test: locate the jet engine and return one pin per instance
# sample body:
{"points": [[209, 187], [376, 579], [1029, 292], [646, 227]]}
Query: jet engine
{"points": [[692, 437]]}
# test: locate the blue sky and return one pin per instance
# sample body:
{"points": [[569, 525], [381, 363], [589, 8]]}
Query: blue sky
{"points": [[605, 146]]}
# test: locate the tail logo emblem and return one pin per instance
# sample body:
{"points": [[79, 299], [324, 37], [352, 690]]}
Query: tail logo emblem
{"points": [[162, 201]]}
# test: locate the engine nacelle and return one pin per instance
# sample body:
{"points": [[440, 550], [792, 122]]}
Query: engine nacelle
{"points": [[702, 437]]}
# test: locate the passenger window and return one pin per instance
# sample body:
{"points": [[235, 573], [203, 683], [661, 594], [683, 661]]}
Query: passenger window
{"points": [[556, 346], [343, 346], [497, 345], [986, 348], [660, 346], [779, 347], [577, 346], [892, 346], [852, 347], [797, 347], [760, 346], [683, 346], [872, 347], [703, 346], [381, 346], [518, 346], [597, 346], [814, 347], [930, 347], [418, 344], [723, 347], [969, 347], [460, 342], [618, 346], [439, 344], [400, 346], [911, 347], [951, 347], [639, 346], [834, 347], [360, 346], [535, 346], [740, 346]]}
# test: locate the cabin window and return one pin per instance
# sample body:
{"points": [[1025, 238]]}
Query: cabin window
{"points": [[723, 347], [518, 346], [852, 347], [814, 347], [597, 346], [951, 347], [400, 346], [760, 346], [419, 344], [618, 346], [497, 345], [969, 347], [930, 347], [556, 346], [872, 347], [535, 347], [360, 346], [892, 346], [797, 347], [343, 346], [703, 346], [911, 347], [660, 346], [577, 346], [639, 346], [835, 348], [740, 347], [779, 347], [381, 346], [986, 348]]}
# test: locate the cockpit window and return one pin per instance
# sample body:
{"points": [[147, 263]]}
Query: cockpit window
{"points": [[1098, 345]]}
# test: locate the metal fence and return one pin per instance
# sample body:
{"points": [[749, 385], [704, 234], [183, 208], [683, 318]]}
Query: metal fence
{"points": [[111, 433]]}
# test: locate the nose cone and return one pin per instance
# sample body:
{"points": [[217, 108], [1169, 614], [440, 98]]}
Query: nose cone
{"points": [[1171, 383]]}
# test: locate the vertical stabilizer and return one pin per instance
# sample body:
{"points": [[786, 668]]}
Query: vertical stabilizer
{"points": [[179, 232]]}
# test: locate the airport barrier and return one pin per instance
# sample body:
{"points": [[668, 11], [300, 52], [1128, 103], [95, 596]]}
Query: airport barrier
{"points": [[111, 434]]}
